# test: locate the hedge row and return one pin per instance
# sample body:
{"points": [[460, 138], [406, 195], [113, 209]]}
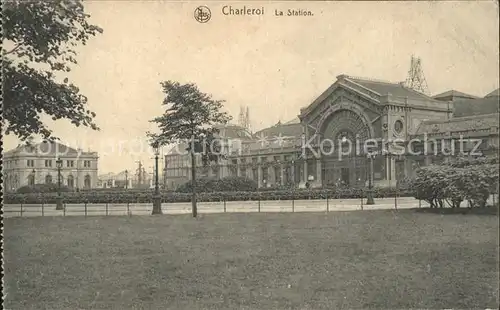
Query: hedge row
{"points": [[227, 184], [169, 197]]}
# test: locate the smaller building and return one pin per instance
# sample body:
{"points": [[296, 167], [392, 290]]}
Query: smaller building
{"points": [[126, 179], [37, 164]]}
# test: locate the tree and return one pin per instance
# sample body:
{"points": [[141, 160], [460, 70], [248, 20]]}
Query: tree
{"points": [[41, 36], [190, 116]]}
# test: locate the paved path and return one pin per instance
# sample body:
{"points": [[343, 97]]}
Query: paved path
{"points": [[321, 205]]}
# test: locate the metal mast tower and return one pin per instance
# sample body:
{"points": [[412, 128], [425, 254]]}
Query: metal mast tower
{"points": [[416, 79]]}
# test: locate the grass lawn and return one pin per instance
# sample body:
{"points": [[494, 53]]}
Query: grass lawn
{"points": [[360, 259]]}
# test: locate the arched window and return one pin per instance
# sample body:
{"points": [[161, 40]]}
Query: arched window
{"points": [[31, 179], [86, 182], [71, 181], [48, 179]]}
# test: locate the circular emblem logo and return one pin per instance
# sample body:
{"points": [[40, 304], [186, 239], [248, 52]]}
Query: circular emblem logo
{"points": [[202, 14]]}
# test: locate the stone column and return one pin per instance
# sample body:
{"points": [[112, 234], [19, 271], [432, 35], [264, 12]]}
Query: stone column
{"points": [[305, 172], [281, 170], [259, 176], [393, 169], [387, 168], [319, 182]]}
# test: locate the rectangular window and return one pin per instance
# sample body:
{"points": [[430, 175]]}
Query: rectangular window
{"points": [[31, 163], [48, 163], [70, 163], [86, 163]]}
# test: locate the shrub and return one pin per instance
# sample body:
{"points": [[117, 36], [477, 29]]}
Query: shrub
{"points": [[172, 197], [227, 184], [42, 188], [471, 180]]}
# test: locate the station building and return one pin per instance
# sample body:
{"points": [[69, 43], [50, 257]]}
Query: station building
{"points": [[392, 131]]}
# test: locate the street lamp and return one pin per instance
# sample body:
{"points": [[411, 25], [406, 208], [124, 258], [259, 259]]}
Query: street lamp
{"points": [[156, 197], [369, 193], [59, 204], [126, 179]]}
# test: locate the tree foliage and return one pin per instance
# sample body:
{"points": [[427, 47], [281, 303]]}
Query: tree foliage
{"points": [[42, 37], [464, 180], [190, 116]]}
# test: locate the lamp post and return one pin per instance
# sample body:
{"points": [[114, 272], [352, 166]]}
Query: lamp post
{"points": [[34, 177], [59, 204], [126, 179], [369, 192], [156, 197]]}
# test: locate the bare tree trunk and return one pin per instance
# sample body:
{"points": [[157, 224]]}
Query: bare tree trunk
{"points": [[193, 183]]}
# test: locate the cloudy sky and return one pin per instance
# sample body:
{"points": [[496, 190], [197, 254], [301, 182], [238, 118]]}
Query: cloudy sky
{"points": [[274, 65]]}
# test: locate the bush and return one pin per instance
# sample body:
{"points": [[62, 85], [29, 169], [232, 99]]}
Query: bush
{"points": [[228, 184], [172, 197], [42, 188], [472, 180]]}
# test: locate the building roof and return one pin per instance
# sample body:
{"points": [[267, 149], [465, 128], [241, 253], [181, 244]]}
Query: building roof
{"points": [[494, 93], [232, 131], [293, 121], [468, 123], [43, 148], [454, 93], [473, 107], [289, 129], [226, 131], [385, 87]]}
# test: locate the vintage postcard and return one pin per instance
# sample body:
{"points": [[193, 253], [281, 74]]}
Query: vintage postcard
{"points": [[250, 154]]}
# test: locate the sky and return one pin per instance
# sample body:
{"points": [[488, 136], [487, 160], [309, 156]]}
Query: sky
{"points": [[274, 65]]}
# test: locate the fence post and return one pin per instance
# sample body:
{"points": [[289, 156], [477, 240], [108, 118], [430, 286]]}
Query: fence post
{"points": [[259, 202], [224, 204], [85, 209], [106, 209], [293, 203], [327, 203], [42, 209], [419, 203], [128, 208], [21, 209], [64, 209]]}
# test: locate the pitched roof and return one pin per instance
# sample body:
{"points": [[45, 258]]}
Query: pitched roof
{"points": [[285, 130], [386, 87], [228, 131], [232, 131], [494, 93], [44, 148], [293, 121], [468, 123], [472, 107], [454, 93]]}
